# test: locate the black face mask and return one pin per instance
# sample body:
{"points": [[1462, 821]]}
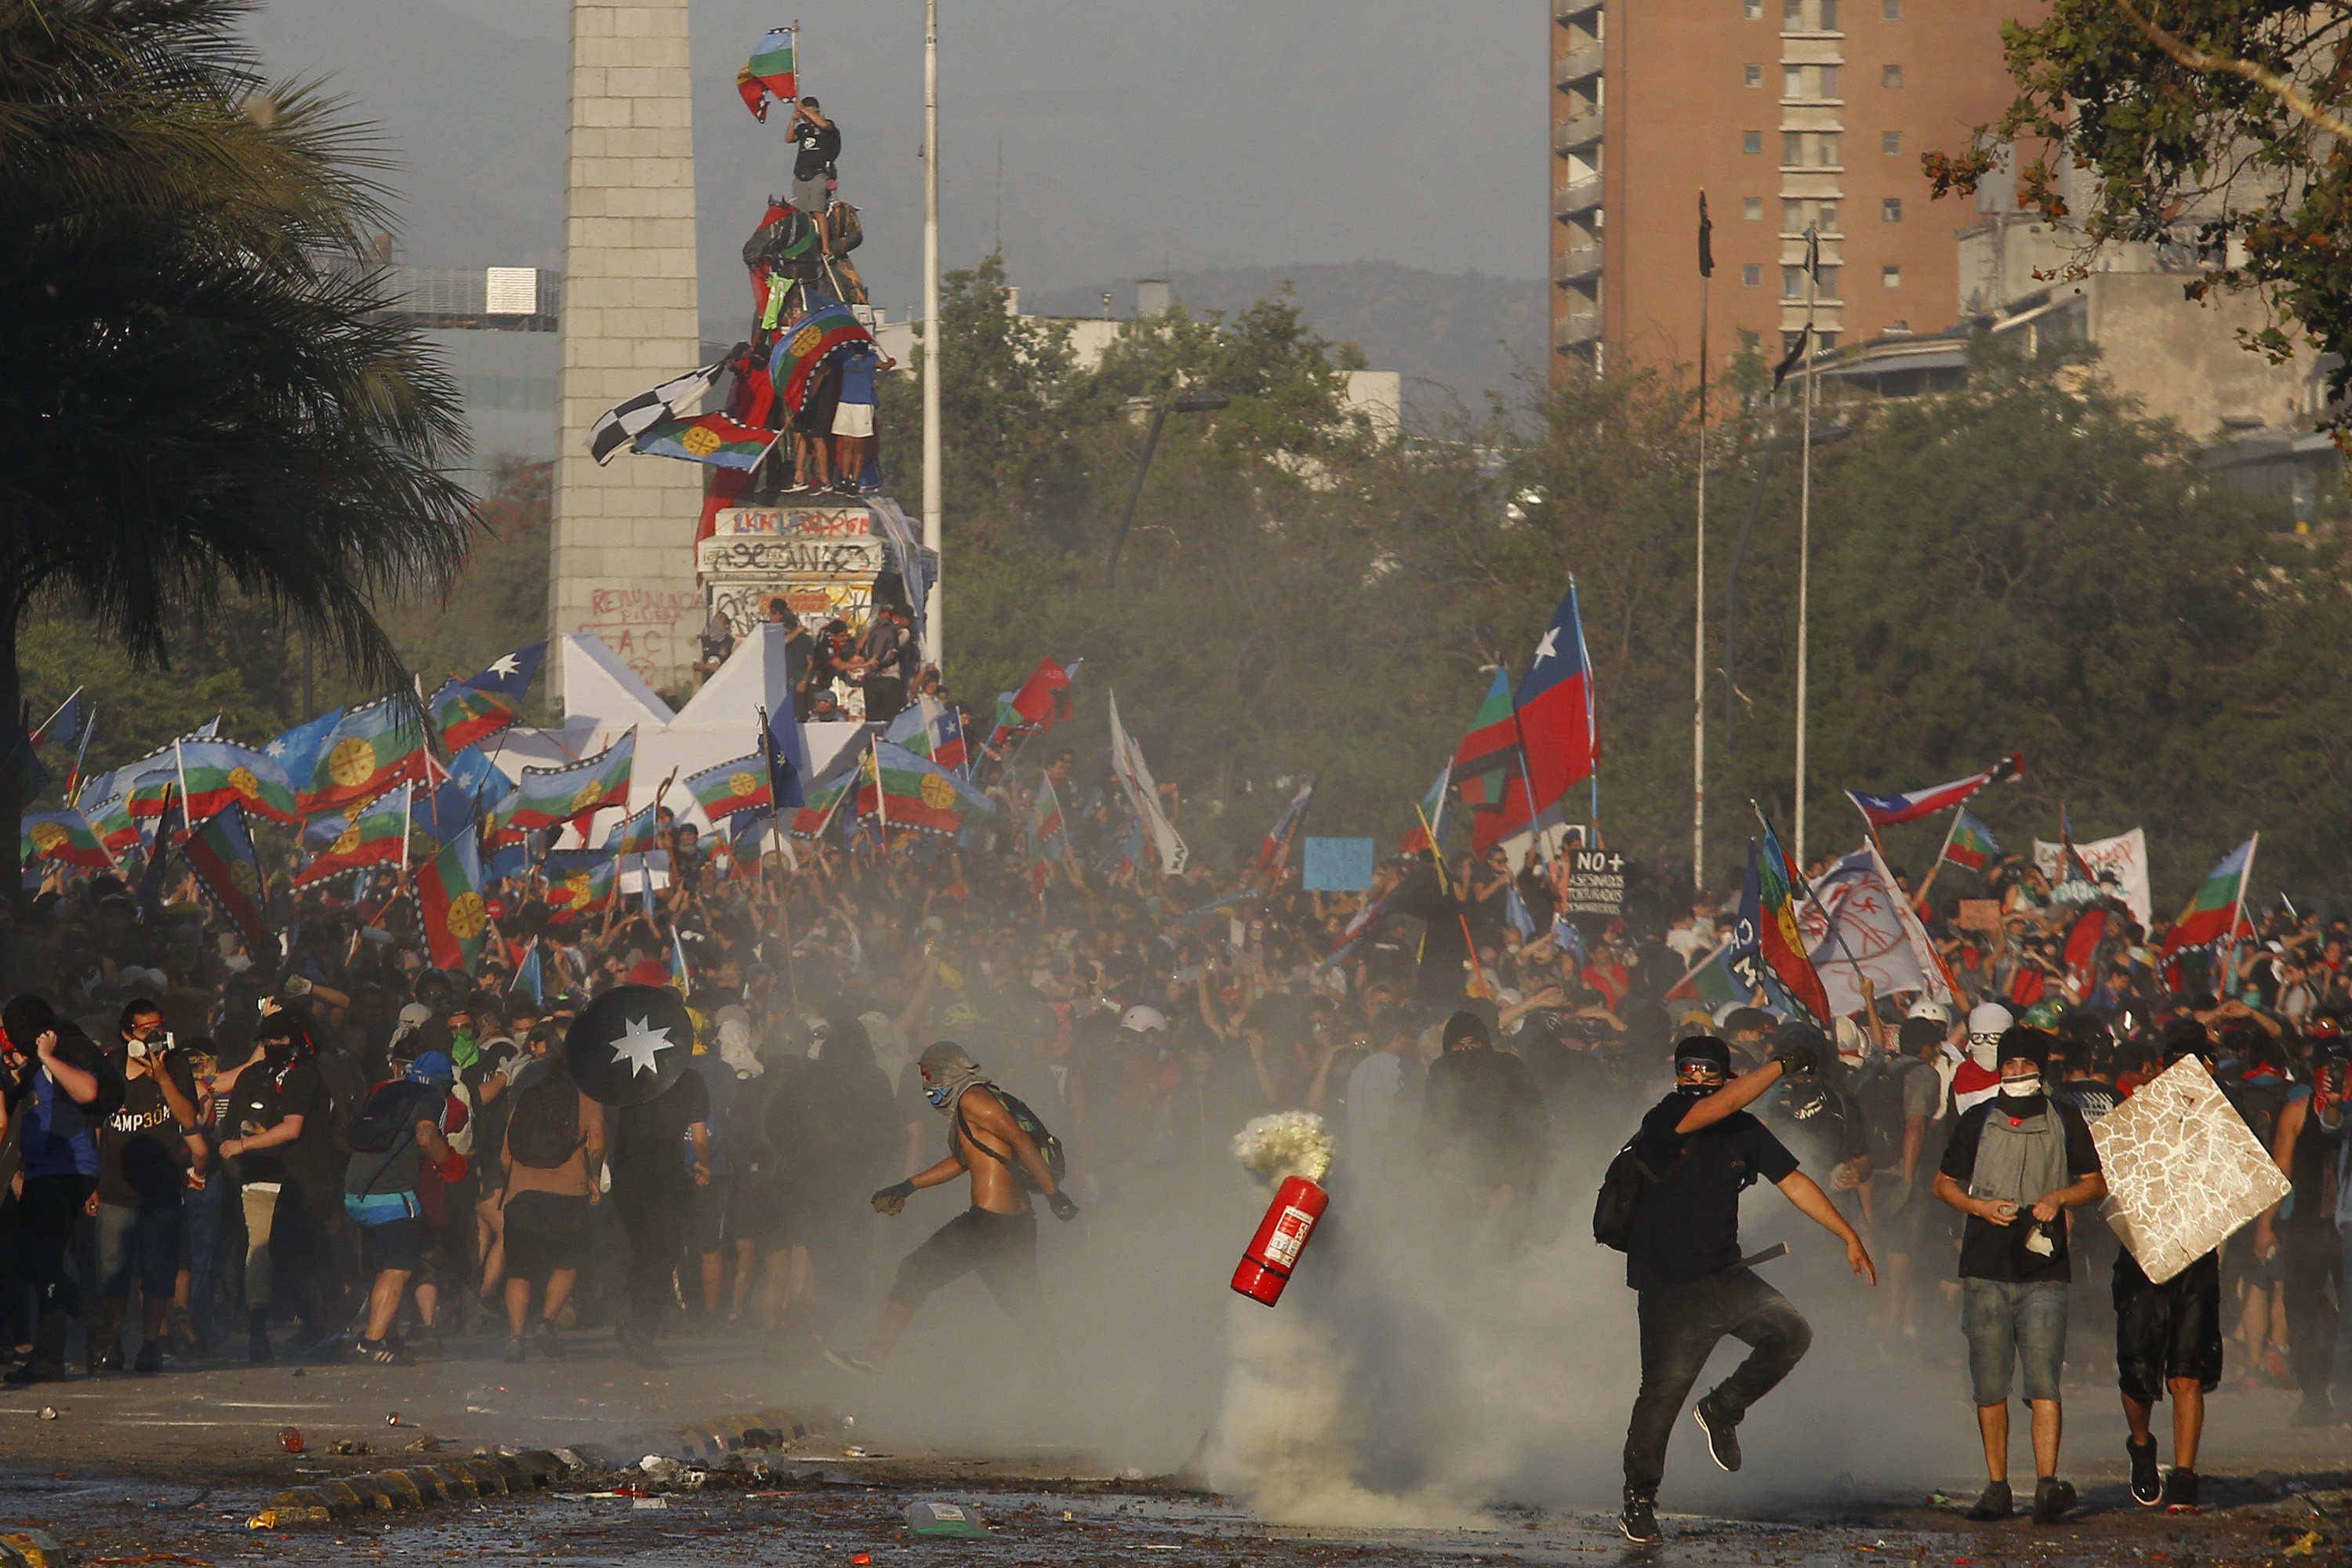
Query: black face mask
{"points": [[1696, 1090]]}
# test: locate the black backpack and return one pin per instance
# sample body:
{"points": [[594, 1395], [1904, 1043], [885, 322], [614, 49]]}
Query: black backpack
{"points": [[391, 1115], [1049, 1147], [543, 1131], [1622, 1187]]}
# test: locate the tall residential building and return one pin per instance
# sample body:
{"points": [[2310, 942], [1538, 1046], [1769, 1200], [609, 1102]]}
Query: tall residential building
{"points": [[1788, 113]]}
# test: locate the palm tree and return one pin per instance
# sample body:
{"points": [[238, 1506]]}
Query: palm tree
{"points": [[198, 390]]}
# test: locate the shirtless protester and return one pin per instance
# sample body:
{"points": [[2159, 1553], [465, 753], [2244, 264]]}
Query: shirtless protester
{"points": [[996, 1237]]}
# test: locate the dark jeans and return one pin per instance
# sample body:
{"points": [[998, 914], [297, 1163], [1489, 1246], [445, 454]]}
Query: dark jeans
{"points": [[655, 1220], [48, 1215], [1680, 1328], [2313, 1255], [1001, 1249]]}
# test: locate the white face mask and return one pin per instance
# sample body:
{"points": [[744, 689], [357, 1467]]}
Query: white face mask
{"points": [[1981, 1049], [2022, 1087]]}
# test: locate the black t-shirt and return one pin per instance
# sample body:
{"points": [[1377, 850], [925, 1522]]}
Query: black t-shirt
{"points": [[142, 1158], [1687, 1225], [260, 1100], [819, 146], [645, 1139], [2000, 1252]]}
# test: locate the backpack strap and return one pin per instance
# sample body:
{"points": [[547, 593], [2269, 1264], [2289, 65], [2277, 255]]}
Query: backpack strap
{"points": [[963, 1129]]}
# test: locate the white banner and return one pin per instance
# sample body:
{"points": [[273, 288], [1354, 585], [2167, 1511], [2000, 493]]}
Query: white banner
{"points": [[1143, 795], [2125, 854]]}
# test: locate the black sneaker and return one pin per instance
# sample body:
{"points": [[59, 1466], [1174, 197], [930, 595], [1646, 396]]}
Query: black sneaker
{"points": [[1722, 1432], [515, 1353], [151, 1357], [1639, 1520], [1994, 1503], [2180, 1491], [257, 1347], [550, 1345], [36, 1371], [382, 1352], [2052, 1499], [2147, 1480]]}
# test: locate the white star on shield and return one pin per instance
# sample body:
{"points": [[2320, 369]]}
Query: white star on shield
{"points": [[637, 1045], [506, 665]]}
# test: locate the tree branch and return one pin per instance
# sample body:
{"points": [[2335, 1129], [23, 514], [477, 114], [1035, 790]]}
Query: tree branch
{"points": [[2270, 81]]}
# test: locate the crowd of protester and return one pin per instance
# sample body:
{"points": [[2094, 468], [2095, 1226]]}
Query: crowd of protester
{"points": [[328, 1146]]}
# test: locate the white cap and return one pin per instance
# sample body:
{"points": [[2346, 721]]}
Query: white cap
{"points": [[1850, 1040], [415, 1013], [1142, 1019], [1934, 1012], [1989, 1018]]}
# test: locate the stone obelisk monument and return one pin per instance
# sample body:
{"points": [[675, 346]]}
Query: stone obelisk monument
{"points": [[622, 556]]}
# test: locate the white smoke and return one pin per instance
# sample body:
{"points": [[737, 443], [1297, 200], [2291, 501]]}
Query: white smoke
{"points": [[1284, 1144]]}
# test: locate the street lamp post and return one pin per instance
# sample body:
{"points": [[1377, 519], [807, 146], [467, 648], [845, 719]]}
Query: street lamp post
{"points": [[935, 607], [1187, 403]]}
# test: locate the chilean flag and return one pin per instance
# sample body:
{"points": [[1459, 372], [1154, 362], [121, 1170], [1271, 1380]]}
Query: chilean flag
{"points": [[1555, 708], [1886, 810]]}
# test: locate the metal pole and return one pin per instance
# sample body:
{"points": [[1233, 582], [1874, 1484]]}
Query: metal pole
{"points": [[1698, 624], [1134, 494], [1805, 541], [935, 631]]}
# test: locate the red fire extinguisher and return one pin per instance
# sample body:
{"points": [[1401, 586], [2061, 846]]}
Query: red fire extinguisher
{"points": [[1281, 1236]]}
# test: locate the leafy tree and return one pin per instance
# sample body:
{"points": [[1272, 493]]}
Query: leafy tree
{"points": [[204, 399], [2217, 126]]}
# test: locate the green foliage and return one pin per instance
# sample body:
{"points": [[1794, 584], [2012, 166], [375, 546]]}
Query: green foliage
{"points": [[2179, 146]]}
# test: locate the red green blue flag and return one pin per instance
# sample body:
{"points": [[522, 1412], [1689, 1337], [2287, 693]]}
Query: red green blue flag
{"points": [[456, 916], [771, 72], [730, 787], [1047, 840], [64, 836], [546, 796], [903, 790], [807, 343], [2212, 913], [217, 774], [220, 850], [375, 837], [712, 438], [1769, 952], [372, 749], [1971, 843]]}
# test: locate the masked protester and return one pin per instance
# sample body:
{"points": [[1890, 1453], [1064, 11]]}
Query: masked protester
{"points": [[2300, 1232], [996, 1237], [1704, 1150], [61, 1089], [2014, 1164], [270, 1104]]}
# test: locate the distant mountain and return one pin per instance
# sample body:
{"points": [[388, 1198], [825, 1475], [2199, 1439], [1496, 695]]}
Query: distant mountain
{"points": [[1455, 337]]}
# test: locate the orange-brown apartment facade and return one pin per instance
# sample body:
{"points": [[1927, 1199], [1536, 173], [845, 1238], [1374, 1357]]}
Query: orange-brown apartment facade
{"points": [[1787, 113]]}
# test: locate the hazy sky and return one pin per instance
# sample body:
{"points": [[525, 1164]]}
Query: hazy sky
{"points": [[1135, 135]]}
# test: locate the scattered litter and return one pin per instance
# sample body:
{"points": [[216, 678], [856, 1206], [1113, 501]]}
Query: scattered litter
{"points": [[159, 1505], [1940, 1500], [152, 1557], [661, 1466], [860, 1559], [297, 1371], [347, 1446], [265, 1520], [944, 1520], [428, 1444], [1067, 1517], [393, 1419], [853, 1452], [479, 1410], [649, 1503], [48, 1412], [2308, 1546], [290, 1439]]}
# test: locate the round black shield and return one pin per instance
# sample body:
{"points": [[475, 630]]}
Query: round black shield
{"points": [[630, 1043]]}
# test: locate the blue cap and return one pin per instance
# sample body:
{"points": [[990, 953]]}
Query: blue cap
{"points": [[433, 1067]]}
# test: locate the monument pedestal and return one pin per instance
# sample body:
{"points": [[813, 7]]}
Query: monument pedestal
{"points": [[822, 557]]}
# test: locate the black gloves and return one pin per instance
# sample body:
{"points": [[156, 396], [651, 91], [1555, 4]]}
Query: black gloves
{"points": [[1059, 1202], [893, 1198]]}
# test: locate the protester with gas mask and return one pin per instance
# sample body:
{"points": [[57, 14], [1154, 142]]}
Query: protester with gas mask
{"points": [[61, 1089], [2015, 1163], [270, 1103], [147, 1149], [1699, 1149]]}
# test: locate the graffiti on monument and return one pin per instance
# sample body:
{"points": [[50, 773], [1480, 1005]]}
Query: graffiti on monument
{"points": [[651, 629], [788, 556]]}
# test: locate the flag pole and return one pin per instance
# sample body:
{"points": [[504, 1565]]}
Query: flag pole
{"points": [[1814, 898], [1919, 898], [1805, 534], [933, 499], [1698, 576], [82, 752]]}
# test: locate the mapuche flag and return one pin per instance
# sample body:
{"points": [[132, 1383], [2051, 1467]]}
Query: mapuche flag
{"points": [[1486, 762], [544, 798], [904, 790], [457, 916], [297, 751], [1047, 841], [638, 834], [770, 72], [110, 820], [711, 438], [824, 797], [2213, 914], [216, 775], [371, 750], [64, 836], [1768, 952], [1971, 843], [738, 785], [807, 343], [378, 837], [220, 852], [466, 712], [579, 882]]}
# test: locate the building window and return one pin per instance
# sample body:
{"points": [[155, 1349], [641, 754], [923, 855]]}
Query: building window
{"points": [[1829, 81], [1751, 140], [1890, 76], [1793, 147], [1828, 16], [1826, 285], [1792, 13], [1755, 10], [1890, 277], [1754, 74], [1752, 209], [1748, 341], [1826, 341], [1793, 282], [1828, 219], [1890, 10], [1825, 150], [1752, 275], [1792, 81], [1891, 143], [1792, 216], [1890, 209]]}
